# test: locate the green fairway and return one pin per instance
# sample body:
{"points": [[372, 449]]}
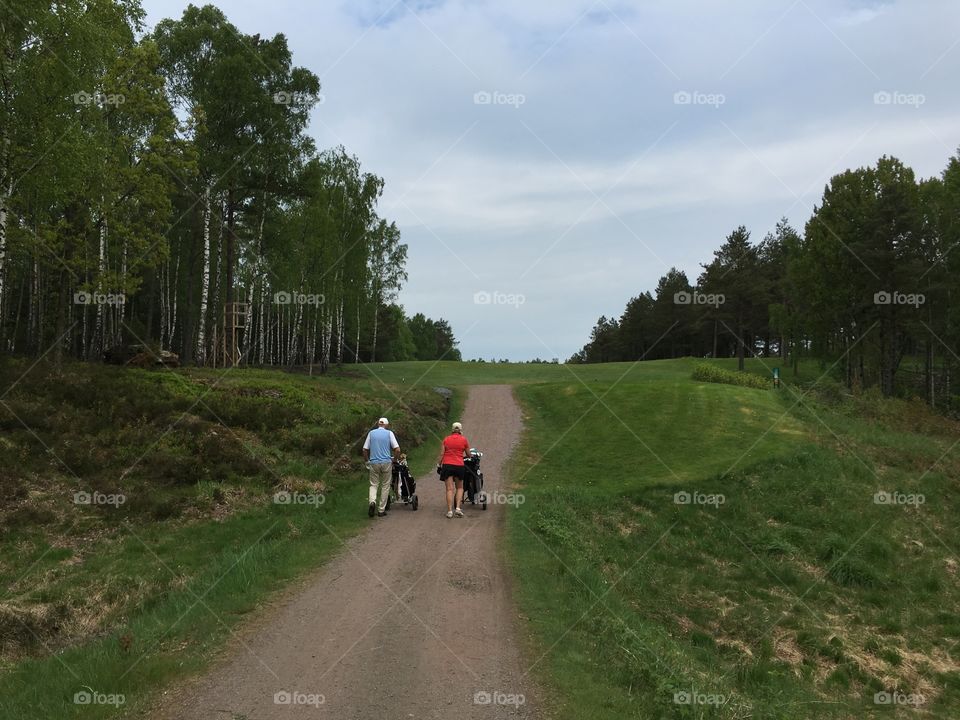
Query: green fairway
{"points": [[619, 437], [444, 373], [693, 550]]}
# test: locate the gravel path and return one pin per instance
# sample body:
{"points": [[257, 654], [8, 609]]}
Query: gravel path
{"points": [[413, 619]]}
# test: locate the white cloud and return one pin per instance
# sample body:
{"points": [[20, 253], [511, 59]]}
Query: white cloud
{"points": [[860, 16]]}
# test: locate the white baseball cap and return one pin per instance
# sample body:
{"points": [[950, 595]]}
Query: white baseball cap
{"points": [[383, 421], [457, 426]]}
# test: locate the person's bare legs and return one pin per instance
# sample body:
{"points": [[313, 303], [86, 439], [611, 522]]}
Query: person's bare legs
{"points": [[449, 482], [459, 494]]}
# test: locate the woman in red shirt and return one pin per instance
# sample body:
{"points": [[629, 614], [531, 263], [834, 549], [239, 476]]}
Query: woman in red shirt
{"points": [[454, 449]]}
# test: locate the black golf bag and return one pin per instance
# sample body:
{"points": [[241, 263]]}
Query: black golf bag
{"points": [[473, 479], [404, 483]]}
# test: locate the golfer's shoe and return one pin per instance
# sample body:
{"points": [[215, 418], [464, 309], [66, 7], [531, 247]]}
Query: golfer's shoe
{"points": [[458, 512], [371, 510], [382, 513], [449, 513]]}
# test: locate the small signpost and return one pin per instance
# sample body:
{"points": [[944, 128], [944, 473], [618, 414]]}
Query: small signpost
{"points": [[776, 377]]}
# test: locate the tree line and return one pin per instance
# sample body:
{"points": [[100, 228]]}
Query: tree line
{"points": [[868, 288], [160, 188]]}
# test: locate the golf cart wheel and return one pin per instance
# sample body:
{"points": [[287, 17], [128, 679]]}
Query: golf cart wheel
{"points": [[415, 502], [483, 500]]}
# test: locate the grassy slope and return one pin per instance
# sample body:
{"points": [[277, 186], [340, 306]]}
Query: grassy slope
{"points": [[132, 597], [630, 597], [798, 597]]}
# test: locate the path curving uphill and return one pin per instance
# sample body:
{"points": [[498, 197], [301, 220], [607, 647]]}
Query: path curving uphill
{"points": [[413, 619]]}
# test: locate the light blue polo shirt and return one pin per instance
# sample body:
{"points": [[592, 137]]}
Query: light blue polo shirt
{"points": [[381, 442]]}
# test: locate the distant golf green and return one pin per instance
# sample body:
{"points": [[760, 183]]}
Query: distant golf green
{"points": [[445, 373]]}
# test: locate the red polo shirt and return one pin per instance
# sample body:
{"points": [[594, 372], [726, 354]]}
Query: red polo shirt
{"points": [[454, 446]]}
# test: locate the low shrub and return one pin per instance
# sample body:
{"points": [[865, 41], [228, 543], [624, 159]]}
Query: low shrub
{"points": [[704, 372]]}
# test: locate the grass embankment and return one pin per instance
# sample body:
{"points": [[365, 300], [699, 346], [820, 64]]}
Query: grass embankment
{"points": [[119, 597], [691, 550]]}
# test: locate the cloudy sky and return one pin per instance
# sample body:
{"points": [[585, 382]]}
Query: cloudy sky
{"points": [[548, 159]]}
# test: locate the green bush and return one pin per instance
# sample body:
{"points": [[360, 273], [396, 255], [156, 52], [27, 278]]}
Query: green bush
{"points": [[828, 391], [713, 374]]}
